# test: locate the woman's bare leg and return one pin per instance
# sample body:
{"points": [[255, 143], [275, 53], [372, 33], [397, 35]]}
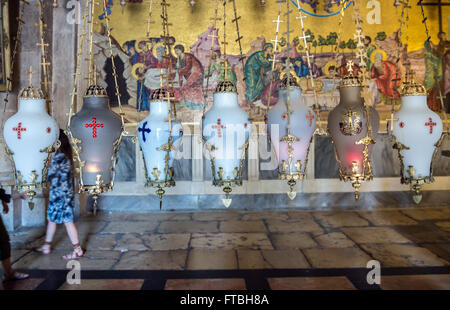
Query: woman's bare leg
{"points": [[73, 235]]}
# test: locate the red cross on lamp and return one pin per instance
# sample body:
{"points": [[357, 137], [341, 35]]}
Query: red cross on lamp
{"points": [[417, 142], [31, 136]]}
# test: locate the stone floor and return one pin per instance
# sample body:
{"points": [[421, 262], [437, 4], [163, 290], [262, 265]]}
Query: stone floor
{"points": [[247, 250]]}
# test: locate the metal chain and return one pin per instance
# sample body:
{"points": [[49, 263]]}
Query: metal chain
{"points": [[239, 37], [213, 36], [44, 62], [424, 22], [17, 41], [77, 68], [276, 41], [116, 83], [300, 17]]}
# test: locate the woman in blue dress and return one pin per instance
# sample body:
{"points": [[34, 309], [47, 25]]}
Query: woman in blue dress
{"points": [[60, 209]]}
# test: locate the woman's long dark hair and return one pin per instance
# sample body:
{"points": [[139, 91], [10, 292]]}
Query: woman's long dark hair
{"points": [[65, 147]]}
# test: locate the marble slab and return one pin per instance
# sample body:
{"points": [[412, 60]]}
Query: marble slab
{"points": [[126, 166]]}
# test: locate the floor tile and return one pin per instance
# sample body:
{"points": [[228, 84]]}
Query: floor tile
{"points": [[22, 285], [308, 283], [105, 284], [304, 224], [152, 260], [205, 284], [334, 240], [441, 250], [216, 216], [271, 259], [205, 259], [402, 255], [98, 242], [130, 227], [334, 219], [387, 218], [242, 226], [337, 257], [443, 225], [166, 242], [264, 215], [293, 240], [374, 235], [188, 227], [427, 214], [422, 234], [131, 242], [228, 241], [416, 282]]}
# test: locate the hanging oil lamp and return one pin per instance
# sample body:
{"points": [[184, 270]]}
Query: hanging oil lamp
{"points": [[417, 132], [416, 129], [291, 123], [31, 136], [95, 132], [226, 130], [353, 127], [160, 133]]}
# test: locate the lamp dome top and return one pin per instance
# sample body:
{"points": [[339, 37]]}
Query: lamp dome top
{"points": [[31, 92], [162, 94], [412, 88], [225, 87], [351, 79], [95, 91]]}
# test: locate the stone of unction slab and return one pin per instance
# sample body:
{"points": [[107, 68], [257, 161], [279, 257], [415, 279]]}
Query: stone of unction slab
{"points": [[293, 240], [205, 259], [228, 241], [339, 219], [387, 218], [242, 226], [374, 235], [334, 240], [152, 260], [337, 257], [187, 227], [402, 255]]}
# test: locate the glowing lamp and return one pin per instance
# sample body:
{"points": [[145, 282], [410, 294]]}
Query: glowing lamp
{"points": [[291, 125], [95, 133], [353, 128]]}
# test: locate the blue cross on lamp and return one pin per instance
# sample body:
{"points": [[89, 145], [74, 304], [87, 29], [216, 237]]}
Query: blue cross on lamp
{"points": [[144, 130]]}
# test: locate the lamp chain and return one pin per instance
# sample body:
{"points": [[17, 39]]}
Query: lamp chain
{"points": [[44, 64], [441, 97], [211, 52], [17, 41], [300, 17], [274, 57]]}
